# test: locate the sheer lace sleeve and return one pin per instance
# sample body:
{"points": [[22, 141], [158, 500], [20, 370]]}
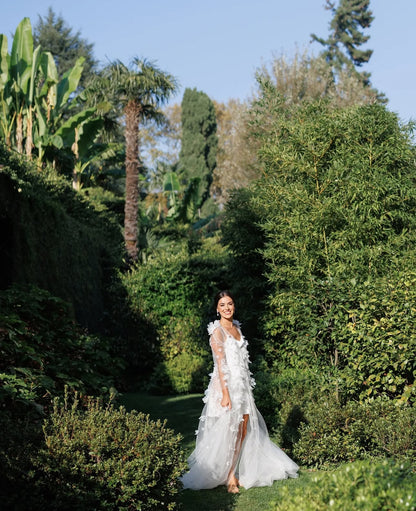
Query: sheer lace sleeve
{"points": [[216, 341]]}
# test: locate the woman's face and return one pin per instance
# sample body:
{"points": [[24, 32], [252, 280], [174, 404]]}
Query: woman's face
{"points": [[226, 307]]}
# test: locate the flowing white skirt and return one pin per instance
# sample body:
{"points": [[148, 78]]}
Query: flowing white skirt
{"points": [[260, 461]]}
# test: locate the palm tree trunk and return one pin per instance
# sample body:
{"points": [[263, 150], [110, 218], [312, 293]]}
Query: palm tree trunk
{"points": [[132, 114]]}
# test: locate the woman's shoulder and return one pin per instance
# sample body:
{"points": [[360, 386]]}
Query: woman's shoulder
{"points": [[214, 325], [211, 327]]}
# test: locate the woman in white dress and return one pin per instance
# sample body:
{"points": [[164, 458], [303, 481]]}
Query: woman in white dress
{"points": [[232, 444]]}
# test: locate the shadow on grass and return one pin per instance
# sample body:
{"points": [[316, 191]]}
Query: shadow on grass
{"points": [[208, 500], [182, 412]]}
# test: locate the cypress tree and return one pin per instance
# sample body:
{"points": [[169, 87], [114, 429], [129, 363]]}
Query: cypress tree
{"points": [[198, 155]]}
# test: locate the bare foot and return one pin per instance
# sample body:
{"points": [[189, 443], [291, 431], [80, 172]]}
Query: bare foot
{"points": [[232, 488]]}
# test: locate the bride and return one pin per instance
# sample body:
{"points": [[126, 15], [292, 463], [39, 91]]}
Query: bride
{"points": [[232, 444]]}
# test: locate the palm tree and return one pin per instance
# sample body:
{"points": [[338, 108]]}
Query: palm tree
{"points": [[138, 91]]}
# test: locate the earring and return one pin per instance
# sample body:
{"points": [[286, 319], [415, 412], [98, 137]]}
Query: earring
{"points": [[218, 314]]}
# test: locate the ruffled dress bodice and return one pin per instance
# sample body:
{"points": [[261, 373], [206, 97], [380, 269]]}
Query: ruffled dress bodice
{"points": [[234, 366]]}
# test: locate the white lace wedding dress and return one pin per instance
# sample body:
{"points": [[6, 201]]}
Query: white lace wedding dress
{"points": [[260, 461]]}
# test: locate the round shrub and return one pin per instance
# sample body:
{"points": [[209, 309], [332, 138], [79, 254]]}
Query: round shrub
{"points": [[103, 458]]}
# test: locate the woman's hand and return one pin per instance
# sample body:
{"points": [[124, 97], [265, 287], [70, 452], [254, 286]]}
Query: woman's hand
{"points": [[226, 401]]}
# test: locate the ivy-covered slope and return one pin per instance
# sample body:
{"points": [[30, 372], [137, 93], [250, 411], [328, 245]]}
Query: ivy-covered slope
{"points": [[54, 238]]}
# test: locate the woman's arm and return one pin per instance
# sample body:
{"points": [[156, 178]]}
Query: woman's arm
{"points": [[217, 345]]}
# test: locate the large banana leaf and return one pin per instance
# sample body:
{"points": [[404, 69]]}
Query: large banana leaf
{"points": [[171, 182], [69, 83], [67, 130], [4, 61], [21, 56], [50, 76], [87, 134], [36, 58]]}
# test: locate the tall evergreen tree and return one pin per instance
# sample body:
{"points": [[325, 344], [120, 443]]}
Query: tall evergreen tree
{"points": [[53, 34], [198, 155], [343, 46]]}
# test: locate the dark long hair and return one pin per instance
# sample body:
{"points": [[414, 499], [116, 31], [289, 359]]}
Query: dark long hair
{"points": [[222, 294]]}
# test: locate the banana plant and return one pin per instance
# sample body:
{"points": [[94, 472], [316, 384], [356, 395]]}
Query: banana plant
{"points": [[23, 74], [81, 147], [35, 104], [52, 105], [7, 115], [20, 73], [172, 188]]}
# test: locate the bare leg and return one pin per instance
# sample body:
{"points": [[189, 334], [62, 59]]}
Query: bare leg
{"points": [[233, 482]]}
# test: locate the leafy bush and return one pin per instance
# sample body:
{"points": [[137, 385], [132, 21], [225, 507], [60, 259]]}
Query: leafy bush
{"points": [[332, 432], [282, 396], [42, 350], [311, 418], [326, 434], [98, 457], [365, 485], [173, 293]]}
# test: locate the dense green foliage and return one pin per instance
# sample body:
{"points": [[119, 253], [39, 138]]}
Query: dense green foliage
{"points": [[198, 155], [366, 486], [338, 205], [94, 456], [244, 239], [310, 419], [107, 458], [173, 293], [42, 350], [56, 239], [332, 433]]}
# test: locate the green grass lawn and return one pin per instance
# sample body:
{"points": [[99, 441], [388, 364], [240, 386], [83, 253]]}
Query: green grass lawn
{"points": [[182, 414]]}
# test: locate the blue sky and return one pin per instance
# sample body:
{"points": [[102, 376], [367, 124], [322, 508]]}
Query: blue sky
{"points": [[217, 45]]}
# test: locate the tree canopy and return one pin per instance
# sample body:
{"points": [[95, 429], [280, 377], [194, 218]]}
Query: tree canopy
{"points": [[53, 34], [343, 45]]}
